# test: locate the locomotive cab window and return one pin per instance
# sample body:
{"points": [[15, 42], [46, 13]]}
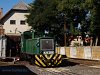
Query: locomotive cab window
{"points": [[47, 44]]}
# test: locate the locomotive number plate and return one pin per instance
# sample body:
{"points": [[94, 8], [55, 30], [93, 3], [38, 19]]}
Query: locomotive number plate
{"points": [[48, 52]]}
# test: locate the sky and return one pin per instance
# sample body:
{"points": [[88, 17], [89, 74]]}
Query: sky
{"points": [[8, 4]]}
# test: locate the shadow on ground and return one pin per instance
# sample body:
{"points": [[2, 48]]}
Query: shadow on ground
{"points": [[66, 63], [15, 70]]}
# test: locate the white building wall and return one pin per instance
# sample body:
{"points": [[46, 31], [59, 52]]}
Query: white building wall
{"points": [[16, 28]]}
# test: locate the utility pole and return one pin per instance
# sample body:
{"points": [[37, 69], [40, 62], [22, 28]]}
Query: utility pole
{"points": [[65, 33], [64, 19]]}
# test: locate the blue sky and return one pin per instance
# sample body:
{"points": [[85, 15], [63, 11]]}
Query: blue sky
{"points": [[8, 4]]}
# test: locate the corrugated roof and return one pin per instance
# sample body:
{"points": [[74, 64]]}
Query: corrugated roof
{"points": [[21, 6]]}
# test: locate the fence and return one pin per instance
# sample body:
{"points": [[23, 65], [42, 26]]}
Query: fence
{"points": [[85, 52]]}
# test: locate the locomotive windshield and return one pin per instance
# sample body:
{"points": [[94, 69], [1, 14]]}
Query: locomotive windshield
{"points": [[46, 44]]}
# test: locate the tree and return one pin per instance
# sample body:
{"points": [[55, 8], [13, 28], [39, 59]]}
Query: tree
{"points": [[94, 7], [43, 17], [42, 12], [51, 15]]}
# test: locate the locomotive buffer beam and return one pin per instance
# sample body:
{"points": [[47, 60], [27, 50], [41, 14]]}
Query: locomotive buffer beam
{"points": [[48, 60]]}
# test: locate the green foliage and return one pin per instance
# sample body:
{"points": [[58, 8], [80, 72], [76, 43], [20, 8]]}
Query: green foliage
{"points": [[47, 15], [43, 14]]}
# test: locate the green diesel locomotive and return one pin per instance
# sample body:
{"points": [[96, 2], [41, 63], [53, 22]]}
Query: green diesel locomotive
{"points": [[40, 50]]}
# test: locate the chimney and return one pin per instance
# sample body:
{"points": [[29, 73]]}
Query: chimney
{"points": [[1, 12]]}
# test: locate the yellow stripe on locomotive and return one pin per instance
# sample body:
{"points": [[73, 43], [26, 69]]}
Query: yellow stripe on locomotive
{"points": [[48, 60]]}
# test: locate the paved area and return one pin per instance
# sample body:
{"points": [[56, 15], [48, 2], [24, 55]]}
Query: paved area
{"points": [[68, 68]]}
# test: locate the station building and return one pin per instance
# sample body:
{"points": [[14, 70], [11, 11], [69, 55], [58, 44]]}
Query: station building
{"points": [[13, 24]]}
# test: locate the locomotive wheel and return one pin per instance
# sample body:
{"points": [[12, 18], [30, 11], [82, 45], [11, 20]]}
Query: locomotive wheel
{"points": [[48, 60]]}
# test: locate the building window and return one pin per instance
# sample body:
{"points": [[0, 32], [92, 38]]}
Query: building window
{"points": [[22, 22], [12, 21]]}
